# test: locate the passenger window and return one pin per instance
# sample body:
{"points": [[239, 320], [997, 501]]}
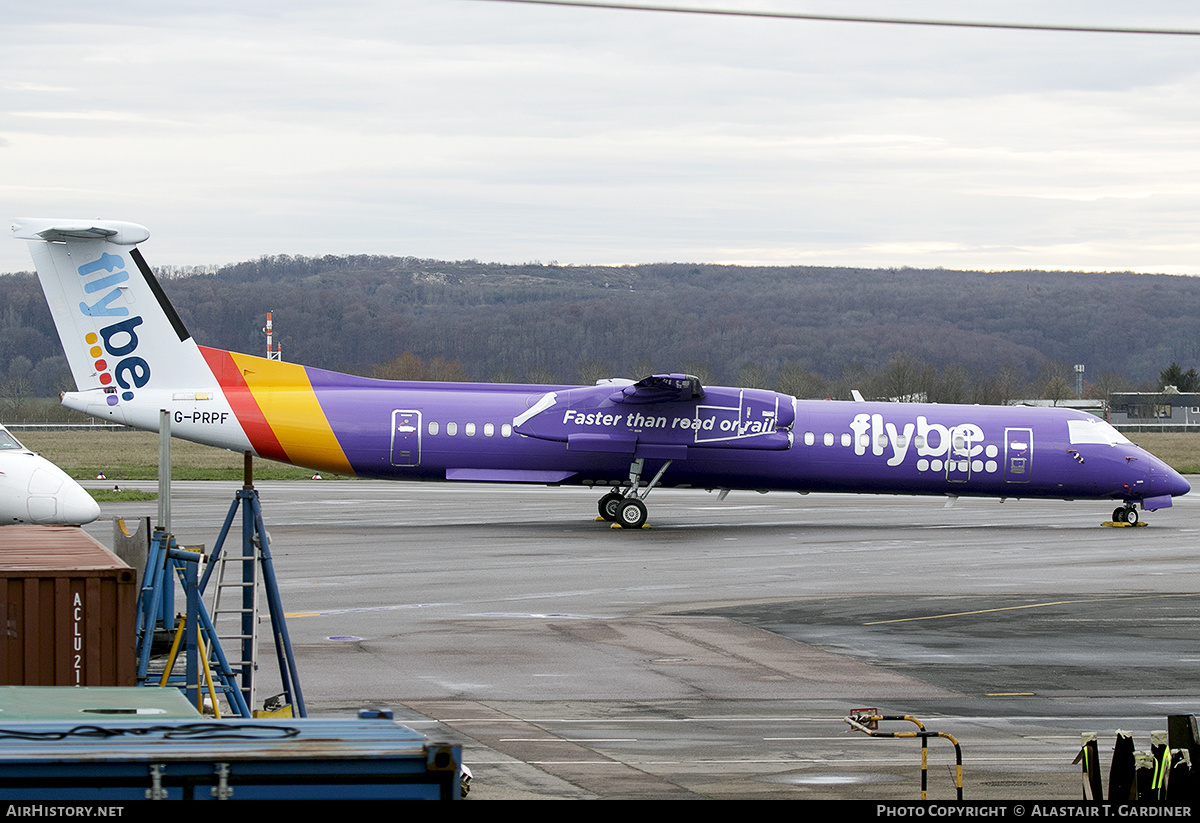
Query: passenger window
{"points": [[433, 427], [470, 429], [451, 429], [809, 438], [828, 438], [506, 430], [488, 429]]}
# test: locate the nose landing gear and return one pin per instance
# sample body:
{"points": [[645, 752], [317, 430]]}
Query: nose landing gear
{"points": [[1126, 515]]}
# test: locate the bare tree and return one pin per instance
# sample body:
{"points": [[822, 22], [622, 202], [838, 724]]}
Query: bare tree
{"points": [[753, 376], [903, 378], [1055, 381], [798, 381], [408, 366], [15, 397], [540, 375], [707, 376], [594, 370]]}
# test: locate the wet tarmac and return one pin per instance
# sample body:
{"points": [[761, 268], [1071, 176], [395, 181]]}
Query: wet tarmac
{"points": [[717, 653]]}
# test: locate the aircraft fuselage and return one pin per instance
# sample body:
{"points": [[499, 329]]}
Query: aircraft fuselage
{"points": [[462, 431]]}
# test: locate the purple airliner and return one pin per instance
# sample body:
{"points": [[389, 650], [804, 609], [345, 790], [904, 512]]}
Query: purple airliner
{"points": [[132, 357]]}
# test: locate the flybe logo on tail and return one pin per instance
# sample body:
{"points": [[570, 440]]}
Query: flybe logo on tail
{"points": [[103, 307], [118, 340]]}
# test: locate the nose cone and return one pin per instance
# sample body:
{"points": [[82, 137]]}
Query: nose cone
{"points": [[1161, 484], [1177, 485], [1163, 479], [54, 499], [76, 506]]}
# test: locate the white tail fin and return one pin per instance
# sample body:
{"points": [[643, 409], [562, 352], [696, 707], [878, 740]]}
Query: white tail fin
{"points": [[122, 338]]}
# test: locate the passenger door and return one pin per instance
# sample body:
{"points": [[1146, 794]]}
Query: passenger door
{"points": [[406, 438], [1018, 455]]}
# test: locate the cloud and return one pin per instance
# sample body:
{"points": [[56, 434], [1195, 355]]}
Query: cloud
{"points": [[500, 132]]}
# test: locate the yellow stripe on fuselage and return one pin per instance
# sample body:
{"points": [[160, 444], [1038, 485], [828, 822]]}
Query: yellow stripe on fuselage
{"points": [[291, 409]]}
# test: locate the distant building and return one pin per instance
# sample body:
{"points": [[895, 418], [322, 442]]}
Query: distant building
{"points": [[1154, 410]]}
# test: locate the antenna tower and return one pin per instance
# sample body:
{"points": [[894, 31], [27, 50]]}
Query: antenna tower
{"points": [[277, 352]]}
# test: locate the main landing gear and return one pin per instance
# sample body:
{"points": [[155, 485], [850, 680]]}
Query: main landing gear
{"points": [[625, 507], [1126, 514]]}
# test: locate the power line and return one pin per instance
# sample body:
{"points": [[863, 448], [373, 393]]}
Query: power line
{"points": [[894, 21]]}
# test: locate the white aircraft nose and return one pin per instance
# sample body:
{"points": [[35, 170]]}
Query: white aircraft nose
{"points": [[54, 499], [76, 506]]}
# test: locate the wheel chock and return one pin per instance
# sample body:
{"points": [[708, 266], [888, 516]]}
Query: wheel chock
{"points": [[1112, 524]]}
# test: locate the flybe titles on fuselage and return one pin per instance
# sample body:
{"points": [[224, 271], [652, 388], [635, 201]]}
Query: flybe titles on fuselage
{"points": [[118, 340], [956, 448]]}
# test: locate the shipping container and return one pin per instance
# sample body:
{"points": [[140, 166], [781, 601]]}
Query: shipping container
{"points": [[69, 609], [117, 760], [93, 704]]}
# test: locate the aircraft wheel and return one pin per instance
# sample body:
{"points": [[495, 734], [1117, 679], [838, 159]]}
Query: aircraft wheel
{"points": [[1131, 516], [1119, 515], [631, 514], [609, 504]]}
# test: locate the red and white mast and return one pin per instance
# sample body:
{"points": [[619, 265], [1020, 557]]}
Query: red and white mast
{"points": [[277, 352]]}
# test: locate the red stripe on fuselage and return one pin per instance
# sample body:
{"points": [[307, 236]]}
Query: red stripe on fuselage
{"points": [[242, 401]]}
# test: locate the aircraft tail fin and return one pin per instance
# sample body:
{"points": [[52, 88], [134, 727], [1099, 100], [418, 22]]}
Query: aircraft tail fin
{"points": [[132, 357], [121, 336]]}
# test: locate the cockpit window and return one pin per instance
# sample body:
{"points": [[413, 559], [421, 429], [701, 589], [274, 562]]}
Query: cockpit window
{"points": [[7, 441], [1083, 432]]}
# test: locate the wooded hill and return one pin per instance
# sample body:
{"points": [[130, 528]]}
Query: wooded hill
{"points": [[812, 331]]}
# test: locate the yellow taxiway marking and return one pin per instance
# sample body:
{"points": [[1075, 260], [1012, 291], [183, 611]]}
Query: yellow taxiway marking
{"points": [[1027, 606], [1009, 694]]}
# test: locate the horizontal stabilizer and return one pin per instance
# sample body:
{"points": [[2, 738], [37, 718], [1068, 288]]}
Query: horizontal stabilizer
{"points": [[57, 230]]}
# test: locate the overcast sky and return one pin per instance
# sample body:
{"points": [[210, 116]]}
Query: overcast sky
{"points": [[463, 129]]}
